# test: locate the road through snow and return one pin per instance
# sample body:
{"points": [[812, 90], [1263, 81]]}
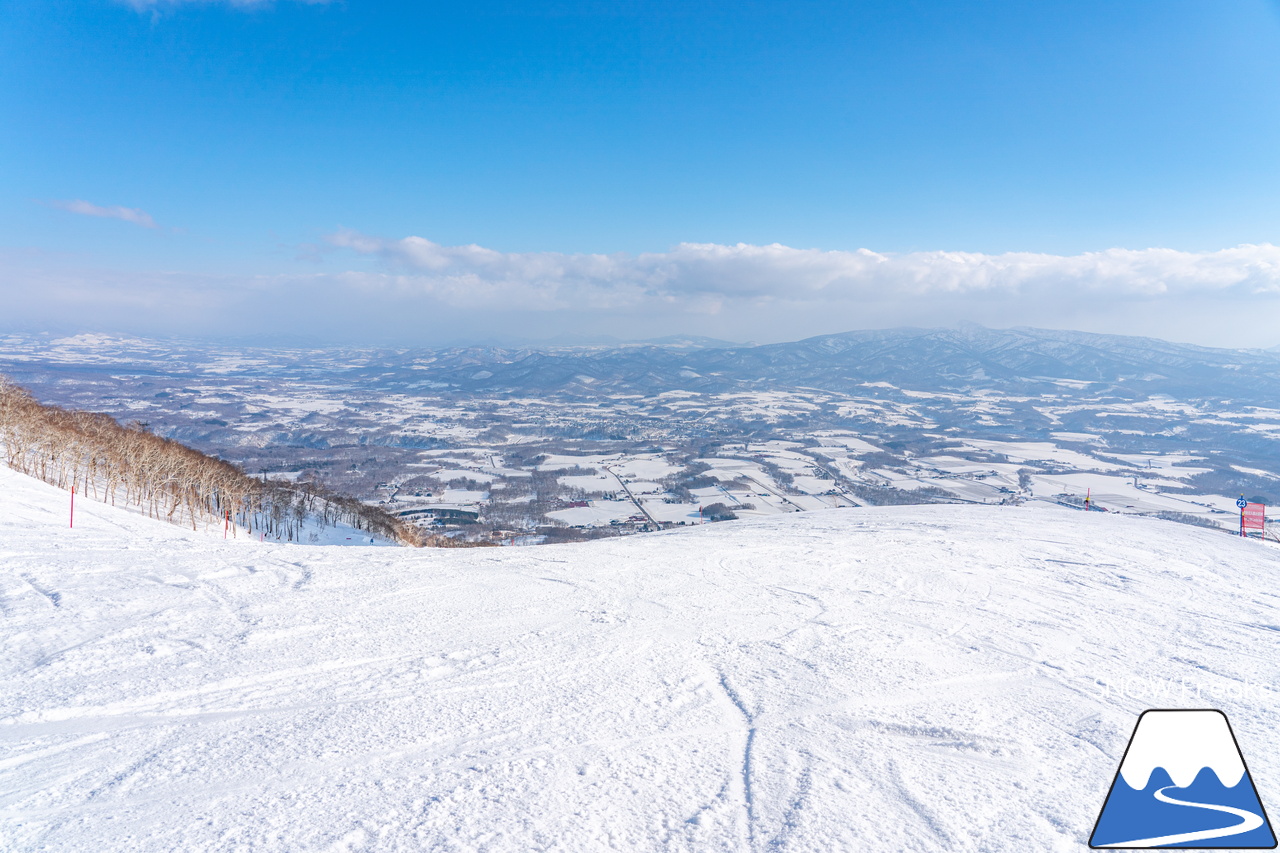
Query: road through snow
{"points": [[919, 679]]}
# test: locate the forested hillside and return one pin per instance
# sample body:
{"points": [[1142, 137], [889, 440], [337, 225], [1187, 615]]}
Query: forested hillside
{"points": [[128, 465]]}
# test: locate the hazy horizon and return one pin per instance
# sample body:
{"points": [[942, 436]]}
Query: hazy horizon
{"points": [[564, 341]]}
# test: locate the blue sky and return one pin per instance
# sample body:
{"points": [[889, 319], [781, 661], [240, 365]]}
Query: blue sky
{"points": [[195, 166]]}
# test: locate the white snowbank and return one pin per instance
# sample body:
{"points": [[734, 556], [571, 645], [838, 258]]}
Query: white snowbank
{"points": [[925, 678]]}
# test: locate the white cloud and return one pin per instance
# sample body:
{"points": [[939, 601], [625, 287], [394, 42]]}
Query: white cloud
{"points": [[708, 276], [127, 214], [418, 292]]}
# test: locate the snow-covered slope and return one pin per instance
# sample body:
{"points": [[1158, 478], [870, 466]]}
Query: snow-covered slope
{"points": [[935, 678]]}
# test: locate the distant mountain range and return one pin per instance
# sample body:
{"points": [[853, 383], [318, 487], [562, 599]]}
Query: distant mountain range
{"points": [[1020, 360]]}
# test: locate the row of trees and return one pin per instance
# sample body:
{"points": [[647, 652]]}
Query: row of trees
{"points": [[104, 460]]}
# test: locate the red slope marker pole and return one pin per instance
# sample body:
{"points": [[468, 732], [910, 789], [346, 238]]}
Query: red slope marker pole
{"points": [[226, 524], [73, 507]]}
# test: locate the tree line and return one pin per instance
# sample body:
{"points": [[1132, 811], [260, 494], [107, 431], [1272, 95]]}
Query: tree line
{"points": [[110, 462]]}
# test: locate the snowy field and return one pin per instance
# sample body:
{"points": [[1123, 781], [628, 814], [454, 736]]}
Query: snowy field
{"points": [[599, 513], [918, 679]]}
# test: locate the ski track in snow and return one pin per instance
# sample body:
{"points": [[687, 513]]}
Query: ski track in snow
{"points": [[907, 679]]}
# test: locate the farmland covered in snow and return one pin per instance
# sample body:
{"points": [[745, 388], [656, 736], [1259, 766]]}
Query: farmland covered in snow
{"points": [[897, 678]]}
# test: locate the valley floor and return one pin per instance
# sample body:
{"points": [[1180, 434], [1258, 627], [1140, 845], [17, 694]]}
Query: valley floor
{"points": [[907, 678]]}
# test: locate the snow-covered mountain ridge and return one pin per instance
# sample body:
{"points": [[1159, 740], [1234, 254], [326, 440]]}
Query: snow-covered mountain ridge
{"points": [[908, 678]]}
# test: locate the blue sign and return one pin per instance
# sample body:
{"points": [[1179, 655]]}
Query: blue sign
{"points": [[1183, 783], [1241, 502]]}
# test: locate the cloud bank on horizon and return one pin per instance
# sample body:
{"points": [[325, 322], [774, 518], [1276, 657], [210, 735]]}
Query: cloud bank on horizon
{"points": [[704, 276], [417, 292]]}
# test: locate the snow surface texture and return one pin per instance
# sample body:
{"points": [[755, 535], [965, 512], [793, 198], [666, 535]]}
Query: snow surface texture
{"points": [[925, 678]]}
